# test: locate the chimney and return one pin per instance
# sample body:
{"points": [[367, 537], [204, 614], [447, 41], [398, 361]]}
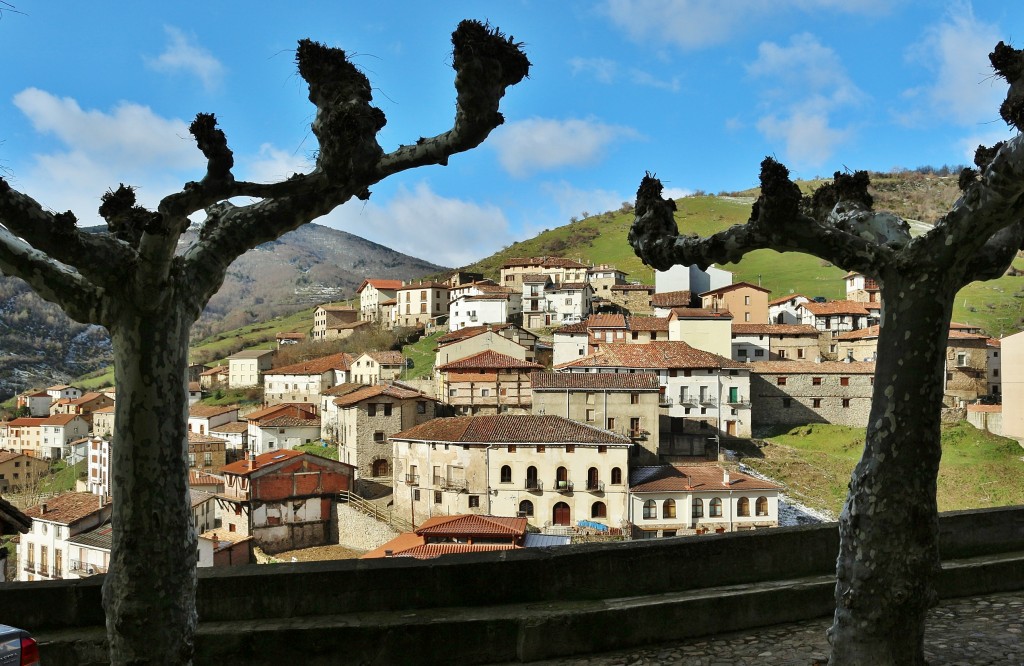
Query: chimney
{"points": [[725, 477], [42, 508]]}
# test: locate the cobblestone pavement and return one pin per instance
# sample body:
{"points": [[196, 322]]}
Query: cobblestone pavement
{"points": [[972, 631]]}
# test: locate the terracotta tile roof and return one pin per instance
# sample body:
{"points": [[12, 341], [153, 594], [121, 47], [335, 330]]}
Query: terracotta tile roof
{"points": [[387, 390], [496, 296], [241, 467], [861, 333], [100, 538], [337, 308], [652, 355], [533, 278], [231, 427], [835, 308], [569, 286], [647, 381], [316, 366], [633, 287], [197, 497], [812, 368], [60, 419], [289, 422], [606, 321], [700, 313], [193, 387], [429, 284], [380, 284], [281, 409], [472, 525], [293, 335], [197, 478], [993, 342], [248, 354], [202, 411], [488, 359], [648, 323], [468, 332], [27, 421], [196, 438], [734, 286], [964, 335], [87, 398], [218, 370], [672, 299], [67, 509], [958, 325], [10, 455], [399, 544], [343, 389], [684, 478], [788, 297], [579, 328], [497, 428], [773, 329], [387, 357], [390, 301], [546, 262], [58, 387], [985, 408]]}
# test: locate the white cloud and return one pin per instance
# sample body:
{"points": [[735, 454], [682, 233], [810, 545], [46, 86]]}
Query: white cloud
{"points": [[694, 24], [676, 192], [538, 144], [183, 54], [602, 69], [423, 224], [956, 51], [805, 84], [969, 144], [643, 78], [572, 201], [271, 165]]}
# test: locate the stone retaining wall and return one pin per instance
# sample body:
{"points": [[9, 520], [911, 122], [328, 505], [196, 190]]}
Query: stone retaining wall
{"points": [[358, 531]]}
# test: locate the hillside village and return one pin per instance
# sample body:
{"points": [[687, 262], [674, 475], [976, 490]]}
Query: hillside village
{"points": [[565, 403]]}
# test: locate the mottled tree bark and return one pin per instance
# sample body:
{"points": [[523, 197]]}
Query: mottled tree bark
{"points": [[133, 281], [888, 529]]}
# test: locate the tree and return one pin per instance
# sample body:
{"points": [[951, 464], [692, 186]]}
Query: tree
{"points": [[132, 281], [888, 528]]}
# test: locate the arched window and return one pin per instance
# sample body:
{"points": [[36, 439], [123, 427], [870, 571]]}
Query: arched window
{"points": [[561, 478], [526, 508], [598, 510], [506, 474], [650, 509], [380, 467], [616, 476], [716, 508], [762, 506], [531, 478], [743, 507], [698, 508], [668, 509], [592, 479]]}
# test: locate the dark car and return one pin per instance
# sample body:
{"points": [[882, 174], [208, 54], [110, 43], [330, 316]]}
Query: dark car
{"points": [[17, 647]]}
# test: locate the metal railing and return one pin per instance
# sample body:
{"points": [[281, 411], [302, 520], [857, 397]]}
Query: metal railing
{"points": [[708, 400], [450, 484], [595, 486], [412, 479], [687, 400], [30, 567], [563, 486], [85, 568], [665, 401], [533, 484], [381, 514]]}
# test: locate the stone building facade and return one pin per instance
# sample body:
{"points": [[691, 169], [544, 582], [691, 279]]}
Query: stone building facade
{"points": [[792, 393]]}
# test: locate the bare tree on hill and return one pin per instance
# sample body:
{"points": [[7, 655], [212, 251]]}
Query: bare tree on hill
{"points": [[131, 282], [889, 527]]}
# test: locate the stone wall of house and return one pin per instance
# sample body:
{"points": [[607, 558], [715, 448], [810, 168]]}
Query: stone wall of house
{"points": [[634, 301], [968, 380], [769, 400], [358, 531]]}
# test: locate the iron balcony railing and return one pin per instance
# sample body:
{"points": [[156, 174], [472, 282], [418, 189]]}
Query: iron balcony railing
{"points": [[85, 568], [533, 484], [412, 479], [708, 400], [595, 486], [563, 486]]}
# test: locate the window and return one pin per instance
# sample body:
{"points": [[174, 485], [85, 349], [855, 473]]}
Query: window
{"points": [[815, 381], [758, 352], [787, 403], [474, 501], [616, 476], [780, 381], [746, 300], [378, 436], [650, 510], [506, 474], [526, 508], [668, 508], [598, 510], [590, 398], [208, 458], [437, 497], [846, 403], [590, 416], [511, 448], [570, 448], [416, 495], [484, 393], [743, 507], [634, 398], [995, 372], [602, 449], [746, 316], [697, 511], [844, 381], [611, 423], [452, 392], [541, 448], [191, 460], [742, 353], [816, 403], [800, 353], [371, 409], [716, 508], [387, 409], [421, 407], [761, 507]]}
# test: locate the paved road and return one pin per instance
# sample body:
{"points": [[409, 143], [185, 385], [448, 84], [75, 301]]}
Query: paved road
{"points": [[972, 631]]}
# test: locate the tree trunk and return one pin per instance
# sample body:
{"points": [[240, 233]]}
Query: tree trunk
{"points": [[149, 592], [888, 554]]}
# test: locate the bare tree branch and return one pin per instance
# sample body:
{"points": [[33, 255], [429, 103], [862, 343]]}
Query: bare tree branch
{"points": [[995, 256], [59, 236]]}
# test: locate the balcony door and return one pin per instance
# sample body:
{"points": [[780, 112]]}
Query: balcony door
{"points": [[560, 514]]}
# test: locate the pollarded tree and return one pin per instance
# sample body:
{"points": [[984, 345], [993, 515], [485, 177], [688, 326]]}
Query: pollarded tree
{"points": [[889, 526], [133, 282]]}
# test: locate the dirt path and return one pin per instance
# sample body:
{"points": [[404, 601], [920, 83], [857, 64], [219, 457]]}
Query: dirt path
{"points": [[320, 553]]}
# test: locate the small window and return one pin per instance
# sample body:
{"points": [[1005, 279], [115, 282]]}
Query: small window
{"points": [[716, 508], [570, 448], [780, 381], [474, 501], [541, 448], [371, 409], [590, 415], [526, 508], [816, 403], [599, 510], [650, 510], [511, 448], [844, 381], [378, 436], [697, 511], [416, 495], [506, 474], [846, 403], [634, 398], [815, 381], [758, 352], [602, 449], [421, 407], [787, 403]]}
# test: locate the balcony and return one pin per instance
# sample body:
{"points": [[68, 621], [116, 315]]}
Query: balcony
{"points": [[738, 401], [665, 401], [563, 486], [595, 486], [412, 479], [708, 400], [30, 567], [450, 484], [687, 400], [81, 568], [533, 484], [637, 434]]}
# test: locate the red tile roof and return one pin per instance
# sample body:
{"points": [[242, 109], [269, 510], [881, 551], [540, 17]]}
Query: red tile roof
{"points": [[835, 308], [377, 283], [196, 438], [60, 419], [242, 467], [812, 368], [202, 411], [546, 262], [429, 284], [683, 478], [68, 508], [498, 428], [431, 550], [343, 389], [671, 299], [468, 332], [27, 421], [861, 333], [231, 426], [218, 370], [652, 356], [387, 390], [985, 408], [472, 525], [648, 323], [579, 328], [788, 297], [284, 408], [489, 359], [734, 286], [10, 455], [773, 329], [645, 381], [606, 321], [316, 366], [700, 313]]}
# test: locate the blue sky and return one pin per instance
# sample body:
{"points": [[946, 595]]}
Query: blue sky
{"points": [[697, 91]]}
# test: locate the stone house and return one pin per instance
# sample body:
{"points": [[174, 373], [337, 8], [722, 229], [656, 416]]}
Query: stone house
{"points": [[676, 500], [204, 418], [246, 368], [283, 499], [967, 371], [859, 345], [747, 302], [206, 453], [632, 298], [361, 422], [603, 277], [83, 406], [372, 292], [44, 552], [507, 339], [774, 342], [628, 404], [792, 393], [419, 305], [20, 472], [303, 382], [215, 377], [862, 289], [377, 366], [487, 383], [548, 469], [329, 320], [558, 269]]}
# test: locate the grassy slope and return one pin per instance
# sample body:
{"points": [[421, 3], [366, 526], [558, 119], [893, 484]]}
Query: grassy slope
{"points": [[422, 354], [978, 469]]}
